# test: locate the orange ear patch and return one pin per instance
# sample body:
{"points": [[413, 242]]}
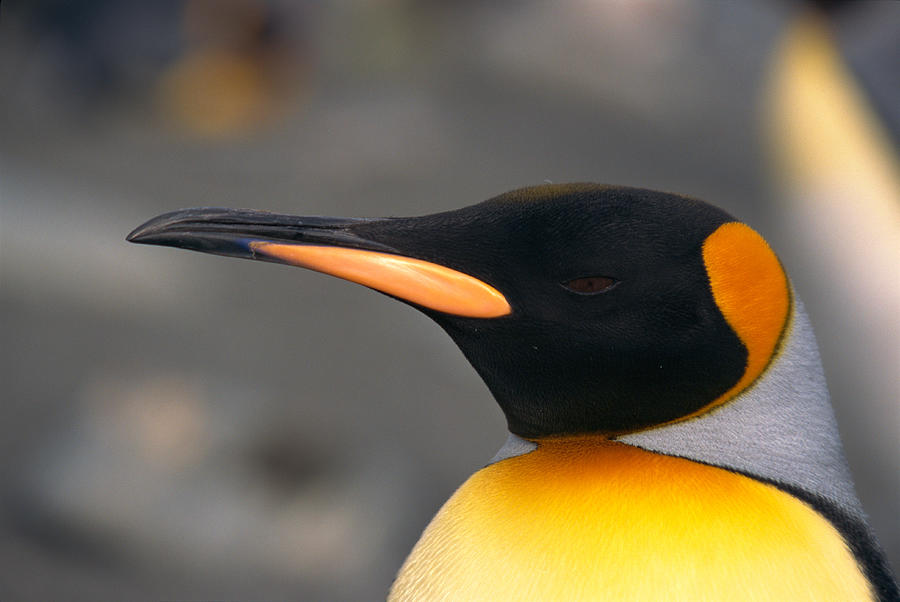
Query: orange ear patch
{"points": [[752, 292]]}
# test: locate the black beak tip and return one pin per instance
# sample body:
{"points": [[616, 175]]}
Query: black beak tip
{"points": [[134, 235], [144, 233], [162, 227], [230, 231], [141, 233]]}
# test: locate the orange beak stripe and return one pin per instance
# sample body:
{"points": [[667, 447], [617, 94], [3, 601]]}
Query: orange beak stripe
{"points": [[427, 284]]}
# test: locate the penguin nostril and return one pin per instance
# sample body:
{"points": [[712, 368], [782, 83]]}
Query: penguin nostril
{"points": [[591, 285]]}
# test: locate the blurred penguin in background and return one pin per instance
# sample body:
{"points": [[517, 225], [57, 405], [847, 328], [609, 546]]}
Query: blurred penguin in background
{"points": [[832, 123]]}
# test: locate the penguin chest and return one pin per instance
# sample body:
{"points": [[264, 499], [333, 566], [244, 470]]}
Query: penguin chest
{"points": [[592, 519]]}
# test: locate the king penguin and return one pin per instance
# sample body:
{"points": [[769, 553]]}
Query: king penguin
{"points": [[670, 432]]}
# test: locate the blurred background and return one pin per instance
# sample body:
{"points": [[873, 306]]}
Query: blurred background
{"points": [[182, 426]]}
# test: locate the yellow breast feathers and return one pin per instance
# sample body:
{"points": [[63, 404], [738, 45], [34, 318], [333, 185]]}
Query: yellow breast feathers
{"points": [[589, 519]]}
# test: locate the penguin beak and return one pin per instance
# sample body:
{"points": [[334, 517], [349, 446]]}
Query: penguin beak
{"points": [[328, 245]]}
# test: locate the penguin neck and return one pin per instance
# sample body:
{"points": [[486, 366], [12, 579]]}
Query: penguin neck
{"points": [[517, 446], [781, 429]]}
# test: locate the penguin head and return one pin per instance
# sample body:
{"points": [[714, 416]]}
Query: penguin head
{"points": [[585, 308]]}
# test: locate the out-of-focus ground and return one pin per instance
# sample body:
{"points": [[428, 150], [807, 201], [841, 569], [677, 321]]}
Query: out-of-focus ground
{"points": [[184, 426]]}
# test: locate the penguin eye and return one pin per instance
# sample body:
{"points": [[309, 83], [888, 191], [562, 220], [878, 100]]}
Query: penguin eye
{"points": [[591, 285]]}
